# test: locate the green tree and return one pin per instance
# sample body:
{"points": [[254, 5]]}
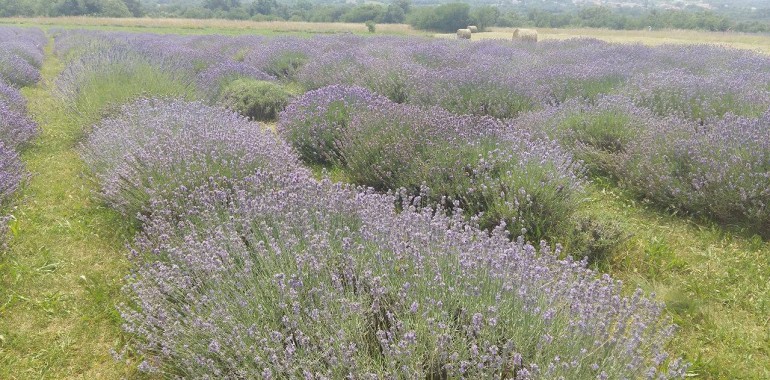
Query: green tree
{"points": [[405, 5], [393, 15], [221, 5], [263, 7], [443, 18], [135, 7], [113, 8], [485, 16], [363, 13]]}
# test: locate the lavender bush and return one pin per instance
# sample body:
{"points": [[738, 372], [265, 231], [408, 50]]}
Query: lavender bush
{"points": [[598, 133], [97, 83], [16, 129], [12, 97], [315, 122], [21, 55], [11, 176], [16, 71], [721, 170], [279, 276], [216, 78], [153, 147], [492, 168], [701, 97], [11, 173]]}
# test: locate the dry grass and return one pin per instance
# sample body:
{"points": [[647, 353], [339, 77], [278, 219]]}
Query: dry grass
{"points": [[193, 25], [757, 42]]}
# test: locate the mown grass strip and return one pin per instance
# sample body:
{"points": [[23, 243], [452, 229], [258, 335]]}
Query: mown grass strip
{"points": [[61, 279], [714, 280]]}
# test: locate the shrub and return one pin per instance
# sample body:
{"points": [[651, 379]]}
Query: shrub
{"points": [[26, 50], [285, 65], [599, 134], [314, 122], [370, 26], [255, 99], [11, 173], [18, 72], [699, 97], [12, 98], [502, 173], [719, 170], [153, 148], [16, 129], [281, 276], [217, 77], [100, 82], [11, 176]]}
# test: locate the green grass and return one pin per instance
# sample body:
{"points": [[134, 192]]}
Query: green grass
{"points": [[714, 280], [117, 84], [61, 279], [207, 26]]}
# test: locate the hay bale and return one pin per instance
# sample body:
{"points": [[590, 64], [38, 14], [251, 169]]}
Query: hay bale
{"points": [[527, 35], [463, 34], [473, 29]]}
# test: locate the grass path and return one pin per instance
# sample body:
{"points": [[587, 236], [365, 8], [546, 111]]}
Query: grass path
{"points": [[715, 283], [61, 278]]}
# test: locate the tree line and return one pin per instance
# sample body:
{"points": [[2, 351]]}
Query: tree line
{"points": [[442, 18]]}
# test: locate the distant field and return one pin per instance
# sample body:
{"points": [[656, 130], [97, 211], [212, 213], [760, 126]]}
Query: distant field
{"points": [[756, 42], [192, 26]]}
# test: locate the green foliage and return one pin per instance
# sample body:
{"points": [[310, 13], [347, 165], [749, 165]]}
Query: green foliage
{"points": [[285, 65], [222, 5], [595, 240], [596, 138], [493, 100], [394, 14], [106, 8], [371, 26], [257, 100], [484, 16], [103, 91], [363, 13], [444, 18]]}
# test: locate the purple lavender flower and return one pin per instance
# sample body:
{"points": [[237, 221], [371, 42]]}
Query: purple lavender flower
{"points": [[16, 129], [156, 147], [216, 266]]}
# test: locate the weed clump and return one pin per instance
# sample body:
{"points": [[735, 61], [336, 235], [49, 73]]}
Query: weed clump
{"points": [[257, 100]]}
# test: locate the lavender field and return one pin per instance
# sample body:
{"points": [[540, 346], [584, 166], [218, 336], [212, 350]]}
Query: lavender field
{"points": [[346, 206]]}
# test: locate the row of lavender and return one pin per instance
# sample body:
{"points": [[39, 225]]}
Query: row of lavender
{"points": [[486, 168], [692, 118], [21, 55], [248, 267], [512, 171], [496, 78]]}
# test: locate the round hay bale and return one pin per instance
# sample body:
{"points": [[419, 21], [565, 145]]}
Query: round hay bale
{"points": [[527, 35], [473, 28], [463, 34]]}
